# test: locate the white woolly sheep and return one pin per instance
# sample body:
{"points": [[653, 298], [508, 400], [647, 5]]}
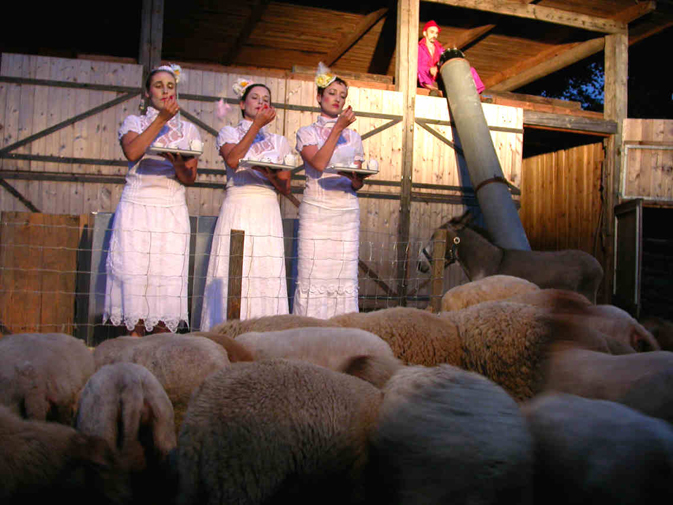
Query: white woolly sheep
{"points": [[235, 350], [124, 404], [276, 431], [445, 435], [42, 374], [235, 327], [180, 363], [642, 381], [44, 462], [333, 348], [415, 336], [598, 452], [494, 287]]}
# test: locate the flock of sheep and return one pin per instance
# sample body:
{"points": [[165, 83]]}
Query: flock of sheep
{"points": [[511, 394]]}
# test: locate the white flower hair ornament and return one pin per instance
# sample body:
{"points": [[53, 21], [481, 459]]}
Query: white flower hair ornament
{"points": [[324, 76], [174, 69], [241, 85]]}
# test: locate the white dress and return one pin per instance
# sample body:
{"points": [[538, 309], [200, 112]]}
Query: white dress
{"points": [[148, 261], [250, 204], [329, 229]]}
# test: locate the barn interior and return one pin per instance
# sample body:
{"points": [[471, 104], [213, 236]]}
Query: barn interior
{"points": [[570, 165]]}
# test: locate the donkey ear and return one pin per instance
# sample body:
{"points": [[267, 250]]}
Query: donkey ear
{"points": [[468, 217]]}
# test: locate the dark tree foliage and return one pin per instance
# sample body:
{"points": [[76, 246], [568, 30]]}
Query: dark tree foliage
{"points": [[650, 91]]}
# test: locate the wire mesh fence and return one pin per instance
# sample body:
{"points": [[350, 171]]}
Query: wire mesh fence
{"points": [[54, 272]]}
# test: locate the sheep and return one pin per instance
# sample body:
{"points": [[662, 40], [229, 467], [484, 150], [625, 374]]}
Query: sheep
{"points": [[642, 381], [235, 350], [42, 374], [414, 335], [46, 462], [507, 342], [235, 327], [274, 431], [124, 404], [445, 435], [661, 329], [178, 362], [607, 319], [333, 348], [598, 452], [510, 342], [494, 287]]}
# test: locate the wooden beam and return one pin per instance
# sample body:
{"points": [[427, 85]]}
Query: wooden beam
{"points": [[471, 35], [257, 10], [567, 122], [151, 34], [634, 12], [615, 108], [406, 65], [385, 45], [540, 13], [363, 27], [543, 64]]}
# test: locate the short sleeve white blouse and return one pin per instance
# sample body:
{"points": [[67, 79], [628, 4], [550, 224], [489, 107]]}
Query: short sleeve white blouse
{"points": [[152, 179], [327, 189], [267, 146]]}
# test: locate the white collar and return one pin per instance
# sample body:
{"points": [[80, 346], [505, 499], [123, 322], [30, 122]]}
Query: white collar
{"points": [[323, 122], [245, 125]]}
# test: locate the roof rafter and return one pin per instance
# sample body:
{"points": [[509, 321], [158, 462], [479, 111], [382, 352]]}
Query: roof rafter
{"points": [[363, 27], [257, 10], [559, 57], [537, 12]]}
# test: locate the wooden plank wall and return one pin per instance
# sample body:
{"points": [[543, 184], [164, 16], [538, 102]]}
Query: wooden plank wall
{"points": [[26, 109], [561, 199], [38, 263], [648, 164]]}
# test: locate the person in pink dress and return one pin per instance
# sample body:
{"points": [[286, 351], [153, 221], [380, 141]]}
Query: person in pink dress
{"points": [[429, 51]]}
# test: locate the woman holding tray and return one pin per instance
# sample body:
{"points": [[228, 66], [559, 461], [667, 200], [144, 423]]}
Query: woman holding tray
{"points": [[251, 205], [329, 216], [147, 265]]}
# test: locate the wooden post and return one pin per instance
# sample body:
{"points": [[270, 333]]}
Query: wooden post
{"points": [[438, 254], [615, 108], [406, 65], [151, 35], [236, 243]]}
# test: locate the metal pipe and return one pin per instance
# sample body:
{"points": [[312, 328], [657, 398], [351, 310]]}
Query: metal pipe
{"points": [[495, 201]]}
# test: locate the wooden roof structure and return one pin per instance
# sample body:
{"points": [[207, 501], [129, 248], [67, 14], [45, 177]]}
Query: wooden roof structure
{"points": [[510, 42]]}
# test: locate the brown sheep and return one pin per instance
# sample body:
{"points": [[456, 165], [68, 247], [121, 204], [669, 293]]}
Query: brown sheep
{"points": [[276, 431], [44, 462], [642, 381], [415, 336], [661, 329], [494, 287], [42, 374], [180, 363], [607, 319], [445, 435]]}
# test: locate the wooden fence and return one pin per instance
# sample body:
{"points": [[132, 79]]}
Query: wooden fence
{"points": [[59, 152], [561, 201]]}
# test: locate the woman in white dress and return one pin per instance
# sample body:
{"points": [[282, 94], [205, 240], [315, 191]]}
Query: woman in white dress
{"points": [[251, 205], [147, 266], [329, 215]]}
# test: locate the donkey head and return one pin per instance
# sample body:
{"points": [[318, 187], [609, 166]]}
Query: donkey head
{"points": [[453, 228]]}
